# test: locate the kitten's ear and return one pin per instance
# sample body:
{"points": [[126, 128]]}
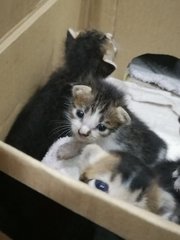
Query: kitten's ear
{"points": [[71, 34], [82, 94], [70, 38], [107, 67], [123, 116], [79, 90]]}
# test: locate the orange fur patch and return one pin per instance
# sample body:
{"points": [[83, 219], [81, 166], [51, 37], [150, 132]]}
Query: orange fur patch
{"points": [[107, 163]]}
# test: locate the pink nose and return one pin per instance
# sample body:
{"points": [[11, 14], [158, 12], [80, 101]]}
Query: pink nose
{"points": [[84, 134]]}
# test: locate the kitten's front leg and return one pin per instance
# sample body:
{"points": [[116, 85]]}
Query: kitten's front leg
{"points": [[69, 150]]}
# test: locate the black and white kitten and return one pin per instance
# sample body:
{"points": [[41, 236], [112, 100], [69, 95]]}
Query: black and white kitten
{"points": [[99, 114], [86, 53]]}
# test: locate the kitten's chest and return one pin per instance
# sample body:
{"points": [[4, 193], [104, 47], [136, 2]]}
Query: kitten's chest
{"points": [[111, 144]]}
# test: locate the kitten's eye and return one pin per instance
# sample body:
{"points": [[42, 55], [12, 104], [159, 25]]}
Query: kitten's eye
{"points": [[101, 185], [80, 113], [101, 127]]}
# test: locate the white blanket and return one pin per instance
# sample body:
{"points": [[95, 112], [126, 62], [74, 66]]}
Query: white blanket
{"points": [[157, 108], [138, 69]]}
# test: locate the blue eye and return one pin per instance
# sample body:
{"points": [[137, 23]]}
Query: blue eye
{"points": [[80, 113], [101, 127], [101, 185]]}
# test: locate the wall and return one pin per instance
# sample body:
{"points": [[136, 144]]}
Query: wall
{"points": [[12, 11]]}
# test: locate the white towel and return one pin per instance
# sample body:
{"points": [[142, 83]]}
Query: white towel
{"points": [[68, 167]]}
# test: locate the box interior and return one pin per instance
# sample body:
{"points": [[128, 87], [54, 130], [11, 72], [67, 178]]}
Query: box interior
{"points": [[31, 48]]}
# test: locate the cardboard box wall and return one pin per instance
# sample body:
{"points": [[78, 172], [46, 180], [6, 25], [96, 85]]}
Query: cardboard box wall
{"points": [[31, 48]]}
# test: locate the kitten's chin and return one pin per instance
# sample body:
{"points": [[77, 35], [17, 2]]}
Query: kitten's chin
{"points": [[84, 139]]}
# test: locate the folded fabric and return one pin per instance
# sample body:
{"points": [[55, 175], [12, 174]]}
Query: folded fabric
{"points": [[71, 167], [159, 69]]}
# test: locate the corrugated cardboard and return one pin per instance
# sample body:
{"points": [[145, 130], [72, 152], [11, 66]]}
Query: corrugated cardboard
{"points": [[31, 50], [13, 11], [139, 27]]}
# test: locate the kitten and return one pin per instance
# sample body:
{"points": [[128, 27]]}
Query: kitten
{"points": [[99, 114], [125, 177], [23, 210], [86, 53]]}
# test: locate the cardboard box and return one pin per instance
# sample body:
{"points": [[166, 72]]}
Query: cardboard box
{"points": [[30, 51]]}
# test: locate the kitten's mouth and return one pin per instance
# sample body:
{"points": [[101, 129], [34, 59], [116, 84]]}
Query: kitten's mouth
{"points": [[82, 138]]}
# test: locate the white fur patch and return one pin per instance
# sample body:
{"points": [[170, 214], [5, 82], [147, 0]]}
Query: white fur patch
{"points": [[109, 143], [177, 184]]}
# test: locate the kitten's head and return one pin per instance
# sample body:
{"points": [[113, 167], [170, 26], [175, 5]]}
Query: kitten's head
{"points": [[90, 52], [97, 112]]}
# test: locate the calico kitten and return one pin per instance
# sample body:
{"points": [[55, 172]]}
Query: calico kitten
{"points": [[99, 114], [124, 176]]}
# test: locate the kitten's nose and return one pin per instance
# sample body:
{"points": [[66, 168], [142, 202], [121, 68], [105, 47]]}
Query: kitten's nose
{"points": [[84, 133]]}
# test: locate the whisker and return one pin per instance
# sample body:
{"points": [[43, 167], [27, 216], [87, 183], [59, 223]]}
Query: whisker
{"points": [[67, 116], [65, 132], [59, 129]]}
